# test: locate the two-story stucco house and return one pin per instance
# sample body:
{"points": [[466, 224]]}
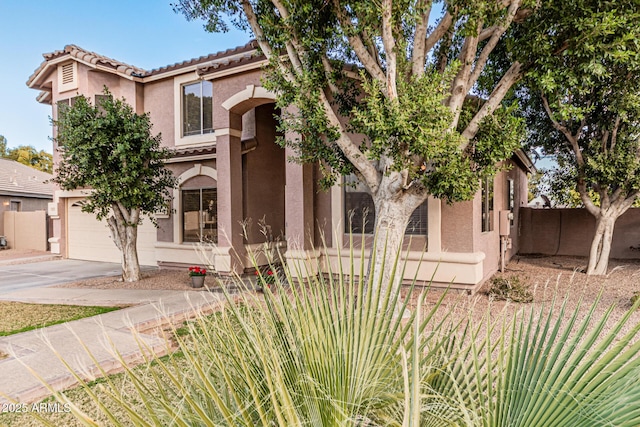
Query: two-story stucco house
{"points": [[215, 115]]}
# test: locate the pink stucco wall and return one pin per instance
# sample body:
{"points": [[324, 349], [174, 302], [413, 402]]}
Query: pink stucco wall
{"points": [[489, 241], [264, 179], [570, 232], [158, 100]]}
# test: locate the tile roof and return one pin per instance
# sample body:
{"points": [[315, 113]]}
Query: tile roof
{"points": [[232, 56], [20, 180], [228, 57], [93, 58]]}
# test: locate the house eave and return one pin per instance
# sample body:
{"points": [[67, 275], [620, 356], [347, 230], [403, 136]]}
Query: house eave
{"points": [[25, 195], [525, 161]]}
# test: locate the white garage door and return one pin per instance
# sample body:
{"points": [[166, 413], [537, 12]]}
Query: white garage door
{"points": [[90, 239]]}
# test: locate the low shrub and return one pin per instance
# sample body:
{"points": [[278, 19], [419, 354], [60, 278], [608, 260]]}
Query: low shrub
{"points": [[509, 288]]}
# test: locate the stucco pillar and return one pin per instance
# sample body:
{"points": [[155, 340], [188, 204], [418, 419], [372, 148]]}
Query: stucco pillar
{"points": [[229, 167], [434, 225], [299, 217]]}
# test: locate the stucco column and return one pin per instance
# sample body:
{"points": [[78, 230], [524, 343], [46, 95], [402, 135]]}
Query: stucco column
{"points": [[299, 217], [229, 167], [434, 225]]}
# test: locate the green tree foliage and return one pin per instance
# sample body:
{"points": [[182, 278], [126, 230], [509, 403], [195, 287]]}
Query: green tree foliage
{"points": [[27, 155], [584, 104], [3, 146], [111, 150], [434, 122]]}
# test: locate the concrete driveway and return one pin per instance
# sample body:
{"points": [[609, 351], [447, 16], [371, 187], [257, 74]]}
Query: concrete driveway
{"points": [[39, 274]]}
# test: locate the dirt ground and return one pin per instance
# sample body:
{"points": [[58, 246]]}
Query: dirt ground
{"points": [[566, 274], [545, 276]]}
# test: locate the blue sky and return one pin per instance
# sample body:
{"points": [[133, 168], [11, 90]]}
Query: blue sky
{"points": [[147, 34]]}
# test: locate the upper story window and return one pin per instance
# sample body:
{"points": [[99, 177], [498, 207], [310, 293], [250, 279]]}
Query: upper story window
{"points": [[197, 108]]}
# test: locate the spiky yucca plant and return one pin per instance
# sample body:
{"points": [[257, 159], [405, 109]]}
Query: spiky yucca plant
{"points": [[328, 350]]}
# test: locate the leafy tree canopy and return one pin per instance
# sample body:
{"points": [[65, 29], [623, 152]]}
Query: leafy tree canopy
{"points": [[109, 149], [583, 104], [393, 91], [584, 92], [27, 155], [391, 77]]}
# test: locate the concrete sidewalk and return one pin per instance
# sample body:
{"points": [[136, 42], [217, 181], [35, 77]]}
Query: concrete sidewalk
{"points": [[16, 256], [102, 335]]}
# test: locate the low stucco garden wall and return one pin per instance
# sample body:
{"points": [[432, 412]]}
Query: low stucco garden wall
{"points": [[570, 231]]}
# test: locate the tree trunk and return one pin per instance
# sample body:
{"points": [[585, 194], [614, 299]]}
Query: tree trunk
{"points": [[130, 264], [601, 244], [393, 212], [124, 232]]}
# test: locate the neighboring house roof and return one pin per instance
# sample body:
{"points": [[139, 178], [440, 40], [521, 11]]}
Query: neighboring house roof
{"points": [[203, 65], [20, 180], [541, 201]]}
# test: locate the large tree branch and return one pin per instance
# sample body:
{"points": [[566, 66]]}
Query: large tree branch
{"points": [[292, 45], [115, 232], [124, 212], [328, 71], [117, 224], [390, 48], [586, 199], [628, 202], [349, 148], [252, 18], [614, 133], [499, 30], [419, 52], [439, 31], [573, 139], [506, 82], [605, 201], [459, 86], [616, 195], [368, 61]]}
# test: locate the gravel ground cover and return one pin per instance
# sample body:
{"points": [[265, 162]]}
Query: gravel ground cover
{"points": [[546, 277]]}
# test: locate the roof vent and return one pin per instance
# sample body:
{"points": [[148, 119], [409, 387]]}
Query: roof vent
{"points": [[67, 74]]}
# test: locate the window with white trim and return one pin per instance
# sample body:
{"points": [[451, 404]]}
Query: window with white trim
{"points": [[200, 215], [510, 198], [360, 212], [197, 108], [487, 204]]}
